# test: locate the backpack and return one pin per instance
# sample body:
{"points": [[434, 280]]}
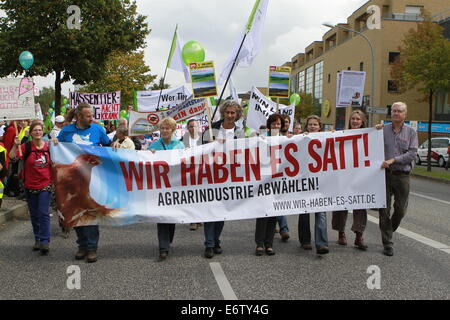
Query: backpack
{"points": [[28, 151]]}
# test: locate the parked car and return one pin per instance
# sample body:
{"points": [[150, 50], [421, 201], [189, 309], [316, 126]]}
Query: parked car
{"points": [[439, 151]]}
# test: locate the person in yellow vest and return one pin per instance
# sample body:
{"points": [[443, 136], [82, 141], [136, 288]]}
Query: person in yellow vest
{"points": [[3, 171], [24, 132]]}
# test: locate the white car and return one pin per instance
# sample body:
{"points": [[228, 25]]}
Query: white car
{"points": [[439, 151]]}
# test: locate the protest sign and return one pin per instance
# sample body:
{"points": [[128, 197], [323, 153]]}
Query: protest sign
{"points": [[203, 79], [147, 101], [279, 82], [239, 179], [260, 108], [17, 99], [146, 122], [106, 105], [350, 88]]}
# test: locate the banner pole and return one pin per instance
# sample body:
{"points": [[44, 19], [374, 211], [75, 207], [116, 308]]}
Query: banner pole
{"points": [[278, 105], [208, 111], [229, 75], [165, 72]]}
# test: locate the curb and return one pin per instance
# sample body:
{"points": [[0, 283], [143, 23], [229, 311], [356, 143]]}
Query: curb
{"points": [[440, 180], [19, 212]]}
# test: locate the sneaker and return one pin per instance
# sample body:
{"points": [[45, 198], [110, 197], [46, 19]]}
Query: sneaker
{"points": [[37, 246], [323, 250], [82, 252], [44, 249], [217, 249], [91, 256], [259, 251], [209, 252], [284, 236], [388, 251], [270, 252], [307, 246], [163, 255], [193, 227]]}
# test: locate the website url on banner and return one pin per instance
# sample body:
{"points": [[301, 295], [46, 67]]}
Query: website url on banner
{"points": [[324, 202]]}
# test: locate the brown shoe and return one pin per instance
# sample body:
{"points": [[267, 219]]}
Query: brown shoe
{"points": [[359, 241], [82, 252], [307, 246], [91, 256], [284, 236], [342, 239], [193, 227]]}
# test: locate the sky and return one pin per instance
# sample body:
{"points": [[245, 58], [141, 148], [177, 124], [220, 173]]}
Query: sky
{"points": [[291, 25]]}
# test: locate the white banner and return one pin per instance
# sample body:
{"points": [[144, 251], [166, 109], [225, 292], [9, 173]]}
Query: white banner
{"points": [[106, 105], [17, 99], [147, 101], [240, 179], [350, 88], [260, 108]]}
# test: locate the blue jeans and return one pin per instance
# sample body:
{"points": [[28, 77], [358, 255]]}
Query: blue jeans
{"points": [[282, 222], [87, 237], [212, 233], [320, 229], [39, 206]]}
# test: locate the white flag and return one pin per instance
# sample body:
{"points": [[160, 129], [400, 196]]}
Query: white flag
{"points": [[175, 61], [233, 92], [252, 41]]}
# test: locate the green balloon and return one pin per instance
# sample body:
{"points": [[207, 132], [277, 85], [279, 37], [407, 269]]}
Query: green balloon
{"points": [[63, 110], [65, 101], [295, 98], [193, 52], [26, 59], [123, 114], [50, 110]]}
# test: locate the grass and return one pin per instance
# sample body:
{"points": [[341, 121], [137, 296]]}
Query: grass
{"points": [[432, 174]]}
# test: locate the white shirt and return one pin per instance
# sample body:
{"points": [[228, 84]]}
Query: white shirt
{"points": [[55, 131], [192, 141], [227, 134]]}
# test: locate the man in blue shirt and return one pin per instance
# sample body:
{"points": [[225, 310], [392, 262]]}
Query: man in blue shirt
{"points": [[83, 131]]}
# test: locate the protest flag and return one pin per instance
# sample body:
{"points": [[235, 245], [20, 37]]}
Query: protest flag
{"points": [[247, 46]]}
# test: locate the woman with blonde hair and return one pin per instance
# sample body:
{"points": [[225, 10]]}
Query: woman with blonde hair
{"points": [[166, 231], [358, 120]]}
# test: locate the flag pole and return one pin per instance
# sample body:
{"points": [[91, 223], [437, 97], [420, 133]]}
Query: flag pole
{"points": [[165, 72], [229, 75]]}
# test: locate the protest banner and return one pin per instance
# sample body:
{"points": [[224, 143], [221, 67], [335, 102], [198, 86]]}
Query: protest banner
{"points": [[235, 180], [17, 99], [106, 105], [146, 122], [203, 79], [260, 108], [350, 88], [147, 101], [279, 82]]}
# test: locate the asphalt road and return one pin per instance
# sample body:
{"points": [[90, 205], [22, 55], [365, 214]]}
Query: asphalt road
{"points": [[128, 266]]}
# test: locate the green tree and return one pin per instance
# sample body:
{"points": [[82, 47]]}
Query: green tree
{"points": [[125, 72], [46, 98], [159, 85], [306, 107], [80, 55], [424, 64]]}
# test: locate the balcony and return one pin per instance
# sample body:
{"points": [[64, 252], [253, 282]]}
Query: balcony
{"points": [[403, 17]]}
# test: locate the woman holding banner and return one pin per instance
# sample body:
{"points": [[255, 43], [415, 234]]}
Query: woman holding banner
{"points": [[37, 182], [166, 231], [265, 227], [312, 125], [357, 121]]}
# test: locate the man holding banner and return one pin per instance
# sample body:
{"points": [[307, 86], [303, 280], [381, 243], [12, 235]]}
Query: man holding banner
{"points": [[226, 129], [84, 132]]}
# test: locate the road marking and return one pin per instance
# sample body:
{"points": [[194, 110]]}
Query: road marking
{"points": [[222, 281], [429, 198], [417, 237]]}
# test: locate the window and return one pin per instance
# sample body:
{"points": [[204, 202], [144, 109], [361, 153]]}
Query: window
{"points": [[309, 80], [361, 66], [301, 81], [393, 86], [329, 78], [318, 81], [393, 56]]}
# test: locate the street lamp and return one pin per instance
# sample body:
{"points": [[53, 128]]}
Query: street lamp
{"points": [[329, 25]]}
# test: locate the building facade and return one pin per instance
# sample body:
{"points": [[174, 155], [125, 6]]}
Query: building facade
{"points": [[315, 71]]}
